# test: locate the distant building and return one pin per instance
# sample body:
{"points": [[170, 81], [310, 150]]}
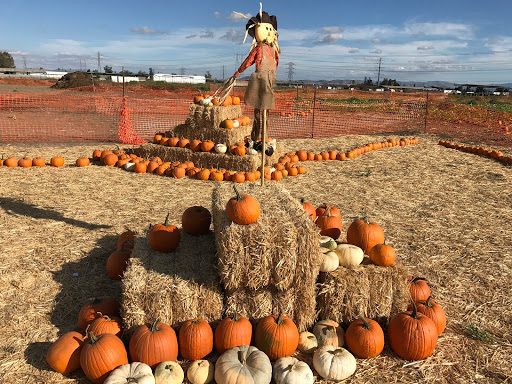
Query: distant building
{"points": [[127, 79], [170, 78]]}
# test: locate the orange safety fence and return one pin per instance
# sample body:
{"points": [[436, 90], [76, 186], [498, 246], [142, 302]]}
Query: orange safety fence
{"points": [[104, 114]]}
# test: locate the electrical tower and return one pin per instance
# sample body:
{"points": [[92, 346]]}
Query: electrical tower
{"points": [[239, 59], [182, 71], [290, 71], [24, 61], [99, 62], [378, 76]]}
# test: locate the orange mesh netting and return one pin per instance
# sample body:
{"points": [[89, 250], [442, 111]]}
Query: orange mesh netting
{"points": [[104, 114]]}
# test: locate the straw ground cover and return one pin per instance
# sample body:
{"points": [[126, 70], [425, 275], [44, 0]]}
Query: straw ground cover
{"points": [[447, 213]]}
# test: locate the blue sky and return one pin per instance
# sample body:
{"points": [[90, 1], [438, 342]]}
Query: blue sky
{"points": [[460, 41]]}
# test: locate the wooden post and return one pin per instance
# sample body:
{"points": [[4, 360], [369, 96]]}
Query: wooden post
{"points": [[264, 146], [123, 81]]}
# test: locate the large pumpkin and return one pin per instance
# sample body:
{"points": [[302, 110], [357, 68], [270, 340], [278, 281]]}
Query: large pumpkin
{"points": [[277, 336], [195, 339], [96, 308], [101, 355], [242, 365], [432, 310], [365, 338], [152, 344], [289, 370], [365, 235], [232, 332], [243, 209], [136, 373], [164, 237], [64, 354], [412, 335], [334, 363], [196, 220]]}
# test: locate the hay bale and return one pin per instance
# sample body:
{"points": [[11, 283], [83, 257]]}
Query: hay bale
{"points": [[368, 290], [201, 116], [173, 287], [257, 303], [280, 250], [216, 134], [206, 159]]}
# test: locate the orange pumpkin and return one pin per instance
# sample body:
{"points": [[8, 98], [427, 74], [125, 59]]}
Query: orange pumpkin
{"points": [[243, 209], [173, 142], [235, 100], [277, 336], [232, 332], [207, 145], [195, 339], [196, 220], [25, 162], [164, 237], [82, 162], [204, 174], [365, 338], [106, 324], [140, 168], [59, 161], [38, 162], [179, 172], [95, 308], [365, 235], [64, 354], [153, 344], [195, 145], [419, 289], [238, 177], [117, 262], [184, 143], [383, 255]]}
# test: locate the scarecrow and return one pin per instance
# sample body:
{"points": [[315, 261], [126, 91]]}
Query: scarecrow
{"points": [[264, 53]]}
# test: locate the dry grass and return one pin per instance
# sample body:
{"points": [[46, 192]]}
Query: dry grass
{"points": [[227, 161], [447, 213]]}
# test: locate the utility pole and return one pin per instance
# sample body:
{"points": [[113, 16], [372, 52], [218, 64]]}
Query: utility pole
{"points": [[99, 62], [223, 73], [290, 71], [182, 71], [378, 76], [24, 61]]}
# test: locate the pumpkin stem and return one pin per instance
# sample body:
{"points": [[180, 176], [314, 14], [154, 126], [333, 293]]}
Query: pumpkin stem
{"points": [[238, 196], [122, 245], [154, 326], [279, 319], [93, 338], [170, 367], [428, 303], [166, 223], [132, 380], [365, 323], [416, 279], [414, 313], [243, 357], [364, 217], [235, 316]]}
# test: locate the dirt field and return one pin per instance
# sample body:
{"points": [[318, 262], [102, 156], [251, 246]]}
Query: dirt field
{"points": [[447, 213]]}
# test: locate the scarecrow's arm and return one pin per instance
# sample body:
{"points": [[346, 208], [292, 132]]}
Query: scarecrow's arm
{"points": [[277, 58], [250, 60]]}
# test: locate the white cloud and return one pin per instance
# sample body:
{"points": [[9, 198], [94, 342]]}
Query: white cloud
{"points": [[236, 18], [425, 47], [217, 14], [330, 30], [353, 50], [377, 51], [145, 30], [456, 30], [207, 35]]}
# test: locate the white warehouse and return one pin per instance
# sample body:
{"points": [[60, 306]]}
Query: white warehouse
{"points": [[169, 78]]}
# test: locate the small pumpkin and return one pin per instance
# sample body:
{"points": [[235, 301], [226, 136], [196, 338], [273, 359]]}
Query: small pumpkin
{"points": [[201, 372], [383, 255], [365, 234], [329, 261], [82, 162], [349, 255], [365, 338], [242, 365], [207, 145], [432, 310], [25, 162], [412, 335], [38, 162], [243, 209], [101, 355], [277, 336], [328, 242], [95, 308], [136, 372], [309, 208], [117, 262], [164, 237], [58, 161], [107, 324], [126, 240], [64, 354], [195, 339], [334, 363], [419, 289], [329, 332], [232, 332], [307, 342], [329, 224], [153, 344], [220, 148], [289, 370], [196, 220], [169, 372]]}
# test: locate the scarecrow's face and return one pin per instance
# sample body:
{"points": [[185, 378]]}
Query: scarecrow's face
{"points": [[264, 32]]}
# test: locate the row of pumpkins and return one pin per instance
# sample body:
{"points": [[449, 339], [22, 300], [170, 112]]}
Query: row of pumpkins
{"points": [[27, 162], [210, 101], [300, 113], [103, 357], [482, 151]]}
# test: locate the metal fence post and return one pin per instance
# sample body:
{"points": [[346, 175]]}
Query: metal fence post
{"points": [[314, 108]]}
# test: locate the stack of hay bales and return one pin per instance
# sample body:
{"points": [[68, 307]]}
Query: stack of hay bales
{"points": [[173, 287], [204, 123], [367, 290], [271, 266]]}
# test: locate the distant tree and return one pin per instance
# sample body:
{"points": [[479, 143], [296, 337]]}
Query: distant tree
{"points": [[142, 74], [94, 71], [479, 90], [6, 60], [368, 81], [151, 74], [208, 75], [88, 71], [108, 69], [127, 72]]}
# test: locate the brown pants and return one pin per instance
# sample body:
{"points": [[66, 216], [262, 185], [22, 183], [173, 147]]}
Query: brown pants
{"points": [[256, 127]]}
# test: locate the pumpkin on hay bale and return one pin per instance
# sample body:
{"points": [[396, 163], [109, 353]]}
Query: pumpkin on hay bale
{"points": [[173, 287], [366, 290], [277, 256]]}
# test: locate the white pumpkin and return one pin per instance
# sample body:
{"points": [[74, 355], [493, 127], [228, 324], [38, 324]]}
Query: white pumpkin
{"points": [[289, 370], [241, 365], [349, 255], [273, 143], [200, 372], [328, 242], [334, 363], [252, 151], [169, 372], [329, 262], [221, 148], [307, 342], [136, 373], [329, 332], [236, 123], [129, 166]]}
